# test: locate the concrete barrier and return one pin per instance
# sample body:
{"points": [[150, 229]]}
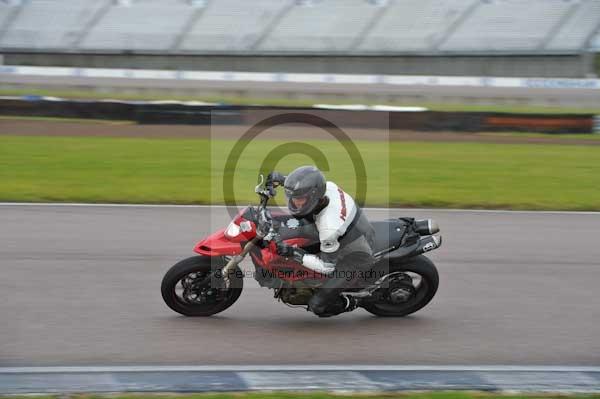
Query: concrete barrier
{"points": [[411, 89], [227, 76]]}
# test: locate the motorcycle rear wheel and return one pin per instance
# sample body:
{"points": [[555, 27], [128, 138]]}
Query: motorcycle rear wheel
{"points": [[196, 271], [424, 292]]}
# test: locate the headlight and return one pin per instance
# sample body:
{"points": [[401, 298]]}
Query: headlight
{"points": [[233, 230]]}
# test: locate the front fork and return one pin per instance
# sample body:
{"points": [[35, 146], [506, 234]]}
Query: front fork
{"points": [[236, 260]]}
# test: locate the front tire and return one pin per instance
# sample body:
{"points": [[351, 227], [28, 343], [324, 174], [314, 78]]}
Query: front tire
{"points": [[193, 277], [424, 293]]}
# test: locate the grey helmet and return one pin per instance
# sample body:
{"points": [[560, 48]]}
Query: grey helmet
{"points": [[304, 182]]}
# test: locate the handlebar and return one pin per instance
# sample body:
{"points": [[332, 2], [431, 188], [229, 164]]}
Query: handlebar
{"points": [[266, 191]]}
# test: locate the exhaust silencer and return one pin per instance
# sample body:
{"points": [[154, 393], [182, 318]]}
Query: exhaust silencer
{"points": [[429, 244], [427, 227]]}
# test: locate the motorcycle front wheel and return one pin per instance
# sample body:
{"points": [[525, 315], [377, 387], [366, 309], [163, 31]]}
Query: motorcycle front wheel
{"points": [[425, 281], [193, 288]]}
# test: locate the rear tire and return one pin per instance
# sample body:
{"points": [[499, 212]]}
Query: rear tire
{"points": [[425, 268], [200, 267]]}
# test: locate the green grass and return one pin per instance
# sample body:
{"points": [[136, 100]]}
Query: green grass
{"points": [[160, 95], [323, 395], [59, 119], [457, 175]]}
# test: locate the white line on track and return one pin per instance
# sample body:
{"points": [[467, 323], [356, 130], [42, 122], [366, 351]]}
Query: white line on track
{"points": [[316, 367], [101, 205]]}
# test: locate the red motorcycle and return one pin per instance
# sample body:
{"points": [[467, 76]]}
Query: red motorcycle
{"points": [[401, 282]]}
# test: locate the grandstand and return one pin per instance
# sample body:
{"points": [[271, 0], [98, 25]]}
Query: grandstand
{"points": [[414, 26], [46, 24], [151, 25], [350, 36], [510, 25], [232, 25], [329, 26], [573, 33]]}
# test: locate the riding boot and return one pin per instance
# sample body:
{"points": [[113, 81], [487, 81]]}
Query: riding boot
{"points": [[328, 301], [349, 274]]}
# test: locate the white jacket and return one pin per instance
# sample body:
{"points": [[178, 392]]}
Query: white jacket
{"points": [[333, 220]]}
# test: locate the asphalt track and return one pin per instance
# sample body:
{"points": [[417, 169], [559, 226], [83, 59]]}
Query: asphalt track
{"points": [[80, 286]]}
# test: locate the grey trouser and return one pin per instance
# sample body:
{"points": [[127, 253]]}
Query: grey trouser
{"points": [[353, 261]]}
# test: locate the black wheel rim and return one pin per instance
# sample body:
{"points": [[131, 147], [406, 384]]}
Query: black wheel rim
{"points": [[421, 288], [195, 289]]}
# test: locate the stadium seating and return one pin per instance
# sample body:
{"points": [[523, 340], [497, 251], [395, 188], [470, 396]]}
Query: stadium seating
{"points": [[413, 25], [595, 43], [228, 25], [577, 28], [301, 26], [327, 25], [49, 24], [5, 12], [142, 25], [507, 25]]}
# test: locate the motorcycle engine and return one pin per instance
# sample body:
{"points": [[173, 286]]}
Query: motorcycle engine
{"points": [[295, 296]]}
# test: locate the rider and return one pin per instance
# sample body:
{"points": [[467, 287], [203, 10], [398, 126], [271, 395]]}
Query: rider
{"points": [[345, 234]]}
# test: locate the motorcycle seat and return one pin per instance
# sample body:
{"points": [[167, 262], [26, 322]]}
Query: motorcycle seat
{"points": [[388, 234]]}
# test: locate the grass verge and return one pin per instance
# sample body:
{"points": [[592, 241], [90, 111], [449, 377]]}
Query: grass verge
{"points": [[69, 120], [160, 95], [454, 175]]}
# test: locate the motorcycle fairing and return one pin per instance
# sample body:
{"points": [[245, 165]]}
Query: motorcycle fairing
{"points": [[217, 244]]}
